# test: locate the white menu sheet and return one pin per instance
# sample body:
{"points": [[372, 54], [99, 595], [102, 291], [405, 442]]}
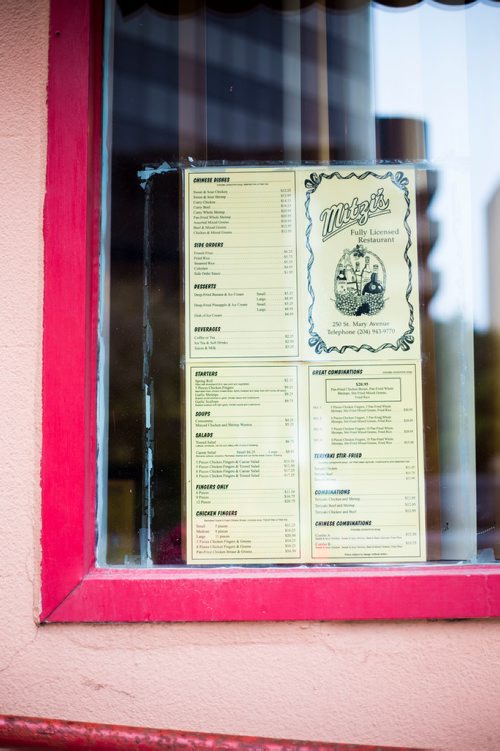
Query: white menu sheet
{"points": [[303, 418]]}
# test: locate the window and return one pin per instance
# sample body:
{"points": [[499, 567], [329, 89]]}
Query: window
{"points": [[195, 102]]}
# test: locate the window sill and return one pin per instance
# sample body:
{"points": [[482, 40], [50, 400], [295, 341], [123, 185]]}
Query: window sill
{"points": [[235, 594]]}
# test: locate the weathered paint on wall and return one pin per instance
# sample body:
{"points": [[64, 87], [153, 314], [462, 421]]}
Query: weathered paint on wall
{"points": [[423, 684]]}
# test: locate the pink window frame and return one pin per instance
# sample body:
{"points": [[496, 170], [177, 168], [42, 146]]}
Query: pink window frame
{"points": [[72, 587]]}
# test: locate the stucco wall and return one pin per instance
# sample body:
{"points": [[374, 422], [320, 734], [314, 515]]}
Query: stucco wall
{"points": [[428, 684]]}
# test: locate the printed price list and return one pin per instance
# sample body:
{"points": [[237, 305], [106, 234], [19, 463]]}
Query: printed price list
{"points": [[365, 468], [244, 469], [242, 257], [303, 437]]}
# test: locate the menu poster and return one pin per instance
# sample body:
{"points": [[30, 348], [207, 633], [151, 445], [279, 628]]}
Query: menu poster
{"points": [[360, 234], [244, 464], [303, 375], [365, 460], [241, 264]]}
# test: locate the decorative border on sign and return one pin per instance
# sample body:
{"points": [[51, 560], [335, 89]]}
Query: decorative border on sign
{"points": [[315, 340]]}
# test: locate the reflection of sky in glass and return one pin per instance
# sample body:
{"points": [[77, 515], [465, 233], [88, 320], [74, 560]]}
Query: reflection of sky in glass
{"points": [[440, 65]]}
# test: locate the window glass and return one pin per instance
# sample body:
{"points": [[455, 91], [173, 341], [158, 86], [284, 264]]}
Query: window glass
{"points": [[310, 87]]}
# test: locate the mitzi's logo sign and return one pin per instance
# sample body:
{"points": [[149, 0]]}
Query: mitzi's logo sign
{"points": [[343, 215]]}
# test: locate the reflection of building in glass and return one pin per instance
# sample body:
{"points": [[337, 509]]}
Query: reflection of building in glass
{"points": [[487, 376], [250, 83], [262, 86], [493, 224]]}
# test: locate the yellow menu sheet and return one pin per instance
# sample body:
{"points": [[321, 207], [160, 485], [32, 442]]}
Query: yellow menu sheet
{"points": [[303, 418]]}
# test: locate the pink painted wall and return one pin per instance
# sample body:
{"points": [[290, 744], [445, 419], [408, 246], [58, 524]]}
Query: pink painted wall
{"points": [[429, 684]]}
